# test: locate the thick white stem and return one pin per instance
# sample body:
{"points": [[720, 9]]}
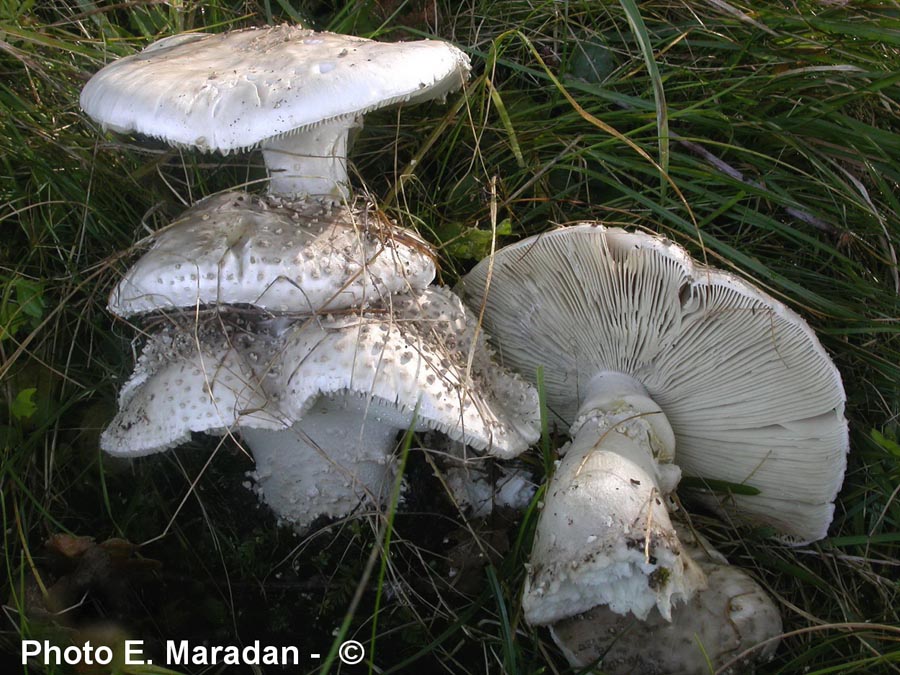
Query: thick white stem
{"points": [[311, 163], [338, 456], [604, 536]]}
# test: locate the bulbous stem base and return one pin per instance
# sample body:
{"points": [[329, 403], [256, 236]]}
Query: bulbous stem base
{"points": [[604, 536], [721, 622], [338, 456]]}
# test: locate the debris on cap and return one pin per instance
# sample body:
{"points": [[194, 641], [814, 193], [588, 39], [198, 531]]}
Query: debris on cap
{"points": [[187, 381], [306, 257]]}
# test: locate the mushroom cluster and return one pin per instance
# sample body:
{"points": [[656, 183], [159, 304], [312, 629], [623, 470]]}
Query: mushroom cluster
{"points": [[320, 400], [645, 351], [324, 339]]}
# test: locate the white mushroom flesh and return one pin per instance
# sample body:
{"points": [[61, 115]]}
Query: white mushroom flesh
{"points": [[717, 630], [477, 493]]}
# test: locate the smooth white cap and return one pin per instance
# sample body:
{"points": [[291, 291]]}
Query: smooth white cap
{"points": [[231, 91]]}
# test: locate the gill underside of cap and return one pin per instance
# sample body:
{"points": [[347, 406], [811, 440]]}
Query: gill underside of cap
{"points": [[750, 393]]}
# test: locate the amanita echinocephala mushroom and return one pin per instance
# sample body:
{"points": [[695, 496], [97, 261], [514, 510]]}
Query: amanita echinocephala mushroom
{"points": [[320, 401], [297, 253], [241, 254], [292, 92], [348, 384], [659, 366], [295, 93]]}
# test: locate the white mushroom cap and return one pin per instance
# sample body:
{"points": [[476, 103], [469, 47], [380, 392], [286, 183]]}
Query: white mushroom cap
{"points": [[185, 382], [731, 615], [750, 393], [413, 359], [233, 248], [295, 93], [231, 91]]}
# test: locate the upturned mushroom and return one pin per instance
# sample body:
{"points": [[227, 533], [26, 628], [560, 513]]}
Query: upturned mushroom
{"points": [[643, 351], [292, 92], [350, 383], [306, 257]]}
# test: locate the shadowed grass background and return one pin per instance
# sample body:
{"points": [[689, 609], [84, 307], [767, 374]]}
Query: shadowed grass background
{"points": [[766, 142]]}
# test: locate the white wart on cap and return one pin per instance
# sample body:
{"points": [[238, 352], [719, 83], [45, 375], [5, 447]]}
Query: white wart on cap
{"points": [[477, 488], [361, 379], [294, 92], [630, 331], [307, 257]]}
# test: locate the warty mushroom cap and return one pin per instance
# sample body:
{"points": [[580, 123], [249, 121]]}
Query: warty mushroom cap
{"points": [[293, 92], [186, 381], [349, 383], [234, 248], [231, 91], [750, 393], [413, 358]]}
